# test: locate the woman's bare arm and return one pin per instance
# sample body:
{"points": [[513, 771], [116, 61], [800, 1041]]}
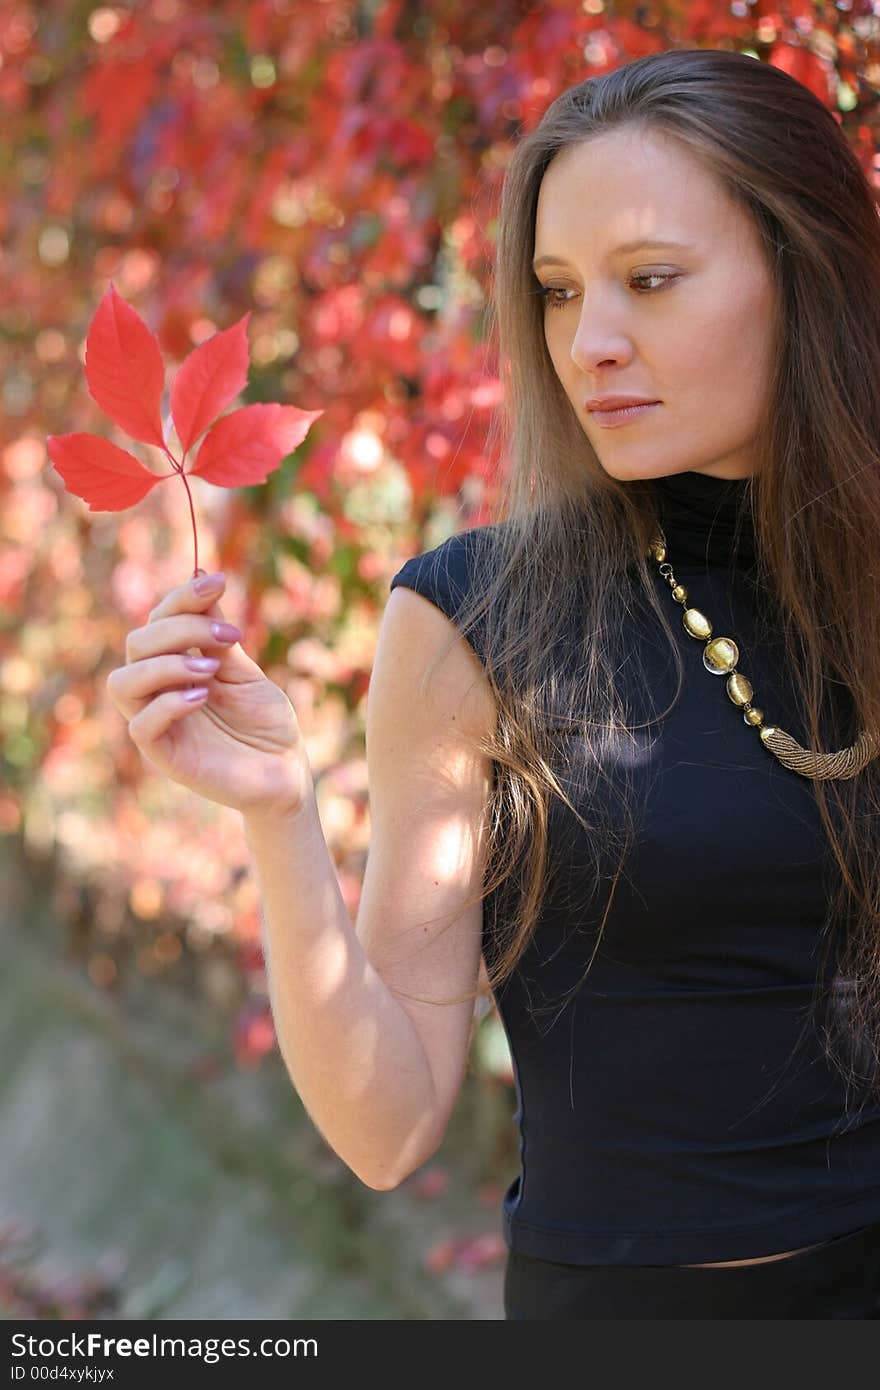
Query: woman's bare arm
{"points": [[378, 1073]]}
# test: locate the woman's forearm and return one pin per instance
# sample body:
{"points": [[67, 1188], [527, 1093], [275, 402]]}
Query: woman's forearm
{"points": [[350, 1048]]}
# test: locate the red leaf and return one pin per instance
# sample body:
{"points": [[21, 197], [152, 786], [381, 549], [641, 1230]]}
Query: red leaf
{"points": [[107, 477], [247, 445], [210, 377], [124, 368]]}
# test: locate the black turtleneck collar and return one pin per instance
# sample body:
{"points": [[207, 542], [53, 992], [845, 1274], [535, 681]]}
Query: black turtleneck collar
{"points": [[707, 521]]}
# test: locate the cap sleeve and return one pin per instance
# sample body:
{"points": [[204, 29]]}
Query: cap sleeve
{"points": [[444, 576]]}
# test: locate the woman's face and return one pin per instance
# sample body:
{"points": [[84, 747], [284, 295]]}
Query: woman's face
{"points": [[699, 341]]}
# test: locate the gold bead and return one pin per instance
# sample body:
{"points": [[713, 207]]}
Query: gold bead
{"points": [[658, 550], [739, 689], [679, 593], [766, 732], [721, 655], [697, 624], [753, 716]]}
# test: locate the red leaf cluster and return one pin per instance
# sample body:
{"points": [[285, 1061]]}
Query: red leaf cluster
{"points": [[126, 377]]}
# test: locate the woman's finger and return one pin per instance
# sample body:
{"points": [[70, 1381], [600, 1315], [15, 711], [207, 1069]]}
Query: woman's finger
{"points": [[180, 632], [130, 686], [156, 718]]}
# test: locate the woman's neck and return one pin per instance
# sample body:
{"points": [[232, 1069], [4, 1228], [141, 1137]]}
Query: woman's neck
{"points": [[706, 520]]}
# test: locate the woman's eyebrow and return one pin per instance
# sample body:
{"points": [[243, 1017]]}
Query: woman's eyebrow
{"points": [[624, 246]]}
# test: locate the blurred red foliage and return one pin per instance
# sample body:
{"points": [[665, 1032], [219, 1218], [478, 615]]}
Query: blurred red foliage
{"points": [[331, 170]]}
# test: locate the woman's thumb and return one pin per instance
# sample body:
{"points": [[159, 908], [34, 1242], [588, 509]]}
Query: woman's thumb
{"points": [[214, 610]]}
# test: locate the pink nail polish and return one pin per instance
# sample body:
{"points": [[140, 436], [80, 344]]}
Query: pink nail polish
{"points": [[206, 583]]}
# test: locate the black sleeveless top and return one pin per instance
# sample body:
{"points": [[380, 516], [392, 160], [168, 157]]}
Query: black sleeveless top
{"points": [[676, 1107]]}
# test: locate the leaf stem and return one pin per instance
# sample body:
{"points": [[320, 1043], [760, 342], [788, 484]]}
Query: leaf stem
{"points": [[193, 516], [178, 468]]}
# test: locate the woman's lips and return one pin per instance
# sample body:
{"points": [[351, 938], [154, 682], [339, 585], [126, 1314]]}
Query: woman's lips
{"points": [[612, 419]]}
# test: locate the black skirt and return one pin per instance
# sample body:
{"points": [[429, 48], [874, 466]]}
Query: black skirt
{"points": [[839, 1278]]}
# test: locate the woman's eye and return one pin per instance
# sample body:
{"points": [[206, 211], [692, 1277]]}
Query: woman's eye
{"points": [[651, 275], [547, 292]]}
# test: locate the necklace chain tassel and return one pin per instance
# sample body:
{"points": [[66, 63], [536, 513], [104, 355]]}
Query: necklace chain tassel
{"points": [[720, 657]]}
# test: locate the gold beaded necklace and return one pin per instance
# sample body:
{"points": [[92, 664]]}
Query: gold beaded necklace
{"points": [[720, 656]]}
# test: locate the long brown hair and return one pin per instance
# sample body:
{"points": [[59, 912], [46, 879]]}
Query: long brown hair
{"points": [[814, 498]]}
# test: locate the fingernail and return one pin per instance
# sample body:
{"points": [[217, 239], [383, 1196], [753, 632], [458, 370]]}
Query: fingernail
{"points": [[225, 632], [207, 582], [202, 663]]}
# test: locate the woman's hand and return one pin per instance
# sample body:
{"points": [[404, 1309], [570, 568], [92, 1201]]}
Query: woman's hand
{"points": [[239, 744]]}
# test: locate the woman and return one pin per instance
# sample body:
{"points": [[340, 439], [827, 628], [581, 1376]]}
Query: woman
{"points": [[674, 898]]}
